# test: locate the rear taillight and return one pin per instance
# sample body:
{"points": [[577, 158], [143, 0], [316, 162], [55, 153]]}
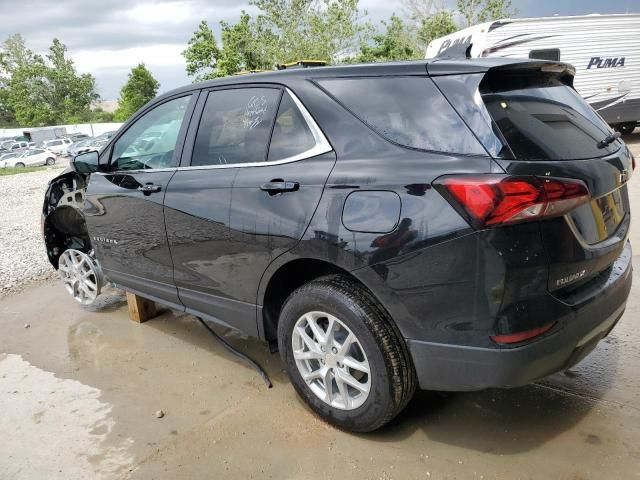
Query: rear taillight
{"points": [[487, 200], [520, 337]]}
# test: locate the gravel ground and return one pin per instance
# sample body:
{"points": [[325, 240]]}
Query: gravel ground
{"points": [[23, 258]]}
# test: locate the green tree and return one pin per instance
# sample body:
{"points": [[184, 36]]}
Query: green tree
{"points": [[397, 42], [283, 31], [478, 11], [327, 30], [29, 95], [202, 53], [70, 93], [48, 90], [436, 26], [139, 89], [13, 54], [243, 47]]}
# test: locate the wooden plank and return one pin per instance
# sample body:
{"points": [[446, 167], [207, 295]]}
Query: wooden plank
{"points": [[140, 309]]}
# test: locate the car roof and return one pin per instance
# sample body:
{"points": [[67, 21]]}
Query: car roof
{"points": [[433, 66]]}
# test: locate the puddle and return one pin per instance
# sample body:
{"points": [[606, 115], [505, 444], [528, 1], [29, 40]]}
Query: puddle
{"points": [[55, 428]]}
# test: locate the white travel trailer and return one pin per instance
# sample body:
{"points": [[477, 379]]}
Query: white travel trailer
{"points": [[604, 50]]}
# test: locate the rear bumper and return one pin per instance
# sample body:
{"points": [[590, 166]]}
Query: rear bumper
{"points": [[459, 368]]}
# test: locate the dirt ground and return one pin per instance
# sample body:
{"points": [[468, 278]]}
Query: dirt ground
{"points": [[80, 388]]}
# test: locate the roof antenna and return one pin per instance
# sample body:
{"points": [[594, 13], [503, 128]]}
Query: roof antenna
{"points": [[467, 52]]}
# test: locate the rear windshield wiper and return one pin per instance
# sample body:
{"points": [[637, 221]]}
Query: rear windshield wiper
{"points": [[609, 139]]}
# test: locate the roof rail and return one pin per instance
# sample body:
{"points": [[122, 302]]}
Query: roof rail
{"points": [[246, 72], [301, 64]]}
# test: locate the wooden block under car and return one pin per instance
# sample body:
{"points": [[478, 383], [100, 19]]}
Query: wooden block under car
{"points": [[140, 309]]}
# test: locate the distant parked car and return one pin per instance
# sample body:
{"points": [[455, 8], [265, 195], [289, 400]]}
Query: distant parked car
{"points": [[58, 145], [4, 157], [106, 135], [32, 157], [94, 144], [74, 148], [76, 137], [12, 146]]}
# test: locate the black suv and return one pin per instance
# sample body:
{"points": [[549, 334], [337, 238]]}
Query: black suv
{"points": [[447, 224]]}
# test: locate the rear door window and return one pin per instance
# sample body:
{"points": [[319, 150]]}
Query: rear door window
{"points": [[409, 111], [541, 118], [235, 126], [291, 134]]}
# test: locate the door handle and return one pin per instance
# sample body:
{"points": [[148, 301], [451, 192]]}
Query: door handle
{"points": [[149, 188], [279, 186]]}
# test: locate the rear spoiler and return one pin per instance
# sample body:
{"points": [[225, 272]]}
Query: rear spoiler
{"points": [[459, 50], [563, 72], [452, 62]]}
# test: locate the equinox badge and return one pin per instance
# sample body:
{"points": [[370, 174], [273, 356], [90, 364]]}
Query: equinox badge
{"points": [[570, 278]]}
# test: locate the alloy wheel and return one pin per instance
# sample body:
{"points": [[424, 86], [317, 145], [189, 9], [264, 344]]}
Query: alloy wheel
{"points": [[80, 276], [331, 360]]}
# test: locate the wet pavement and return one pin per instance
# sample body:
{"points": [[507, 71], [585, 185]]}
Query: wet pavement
{"points": [[79, 388]]}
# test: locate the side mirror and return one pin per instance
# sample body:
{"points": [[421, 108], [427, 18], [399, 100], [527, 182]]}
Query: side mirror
{"points": [[86, 163]]}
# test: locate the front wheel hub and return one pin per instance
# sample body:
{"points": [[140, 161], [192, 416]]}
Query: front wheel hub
{"points": [[81, 275]]}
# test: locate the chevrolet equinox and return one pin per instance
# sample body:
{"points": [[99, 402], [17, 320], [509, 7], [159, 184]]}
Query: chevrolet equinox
{"points": [[441, 224]]}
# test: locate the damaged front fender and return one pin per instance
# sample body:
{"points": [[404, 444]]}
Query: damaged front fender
{"points": [[63, 223]]}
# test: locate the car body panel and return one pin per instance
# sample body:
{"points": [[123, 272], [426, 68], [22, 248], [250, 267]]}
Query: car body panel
{"points": [[126, 227]]}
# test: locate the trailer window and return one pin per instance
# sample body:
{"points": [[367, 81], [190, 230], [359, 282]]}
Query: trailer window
{"points": [[552, 54], [544, 119]]}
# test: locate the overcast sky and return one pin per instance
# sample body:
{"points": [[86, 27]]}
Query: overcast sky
{"points": [[108, 37]]}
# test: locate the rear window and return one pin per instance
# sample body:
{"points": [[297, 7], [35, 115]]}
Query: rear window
{"points": [[409, 111], [541, 118], [291, 135]]}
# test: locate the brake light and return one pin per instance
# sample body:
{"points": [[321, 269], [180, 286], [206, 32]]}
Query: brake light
{"points": [[487, 200], [522, 336]]}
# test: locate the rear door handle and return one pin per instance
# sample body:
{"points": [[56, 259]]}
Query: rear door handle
{"points": [[149, 188], [279, 186]]}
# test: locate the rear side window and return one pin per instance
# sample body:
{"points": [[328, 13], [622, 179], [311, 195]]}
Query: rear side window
{"points": [[541, 118], [291, 134], [409, 111], [235, 126]]}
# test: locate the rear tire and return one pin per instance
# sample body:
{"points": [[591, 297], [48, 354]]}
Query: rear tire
{"points": [[626, 128], [375, 346], [19, 165], [50, 161]]}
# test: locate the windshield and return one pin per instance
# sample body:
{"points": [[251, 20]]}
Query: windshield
{"points": [[543, 119]]}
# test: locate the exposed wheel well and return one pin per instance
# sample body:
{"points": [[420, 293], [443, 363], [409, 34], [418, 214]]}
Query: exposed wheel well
{"points": [[64, 224], [289, 277]]}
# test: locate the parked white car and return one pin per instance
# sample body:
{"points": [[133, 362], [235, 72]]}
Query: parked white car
{"points": [[14, 146], [4, 157], [32, 157], [58, 145]]}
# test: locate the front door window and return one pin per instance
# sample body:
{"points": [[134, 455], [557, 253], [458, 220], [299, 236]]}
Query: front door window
{"points": [[150, 142]]}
